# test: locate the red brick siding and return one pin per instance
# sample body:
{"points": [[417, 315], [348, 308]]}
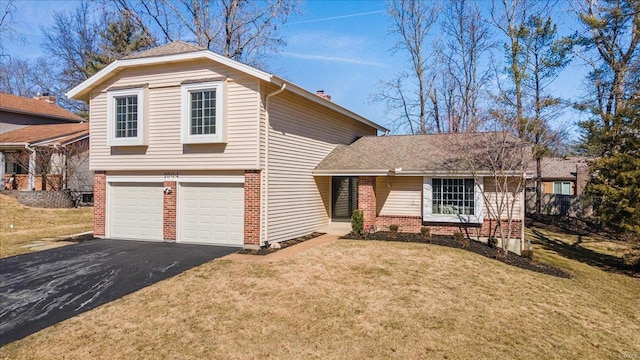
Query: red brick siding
{"points": [[367, 199], [169, 212], [99, 202], [411, 224], [252, 207], [40, 182]]}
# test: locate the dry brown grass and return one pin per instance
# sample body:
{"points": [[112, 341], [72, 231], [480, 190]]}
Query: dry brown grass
{"points": [[357, 299], [30, 224]]}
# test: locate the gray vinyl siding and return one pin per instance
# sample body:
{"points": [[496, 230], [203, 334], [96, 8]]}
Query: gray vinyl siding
{"points": [[165, 150], [10, 121], [302, 133]]}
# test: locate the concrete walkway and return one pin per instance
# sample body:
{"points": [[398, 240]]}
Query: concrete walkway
{"points": [[286, 253]]}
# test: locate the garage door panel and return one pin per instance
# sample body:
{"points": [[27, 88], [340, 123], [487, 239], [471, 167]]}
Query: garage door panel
{"points": [[212, 213], [136, 211]]}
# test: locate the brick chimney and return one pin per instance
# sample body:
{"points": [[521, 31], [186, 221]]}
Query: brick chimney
{"points": [[323, 95], [582, 176], [46, 98]]}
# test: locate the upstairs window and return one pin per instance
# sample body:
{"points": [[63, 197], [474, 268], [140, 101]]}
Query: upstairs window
{"points": [[202, 113], [125, 117]]}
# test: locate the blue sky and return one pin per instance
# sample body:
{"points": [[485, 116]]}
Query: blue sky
{"points": [[342, 47]]}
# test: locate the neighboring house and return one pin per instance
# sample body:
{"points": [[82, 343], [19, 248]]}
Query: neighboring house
{"points": [[564, 176], [190, 146], [46, 157], [19, 111], [563, 183]]}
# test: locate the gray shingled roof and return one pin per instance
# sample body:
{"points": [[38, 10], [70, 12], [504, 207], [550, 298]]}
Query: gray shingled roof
{"points": [[561, 168], [422, 153], [176, 47]]}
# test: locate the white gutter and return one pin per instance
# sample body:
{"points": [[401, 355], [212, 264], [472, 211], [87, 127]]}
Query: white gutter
{"points": [[32, 166], [265, 221]]}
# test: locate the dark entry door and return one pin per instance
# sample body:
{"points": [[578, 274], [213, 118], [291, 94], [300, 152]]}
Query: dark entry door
{"points": [[344, 198]]}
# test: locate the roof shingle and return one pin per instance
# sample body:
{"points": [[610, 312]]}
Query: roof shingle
{"points": [[61, 133], [173, 48], [561, 168], [421, 153], [41, 108]]}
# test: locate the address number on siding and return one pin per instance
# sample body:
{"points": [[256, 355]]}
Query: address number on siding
{"points": [[171, 175]]}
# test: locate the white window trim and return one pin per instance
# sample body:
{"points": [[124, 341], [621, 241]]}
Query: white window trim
{"points": [[427, 203], [139, 140], [185, 116]]}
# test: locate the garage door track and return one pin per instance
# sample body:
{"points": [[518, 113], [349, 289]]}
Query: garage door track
{"points": [[40, 289]]}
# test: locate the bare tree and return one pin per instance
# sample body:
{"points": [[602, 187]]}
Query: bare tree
{"points": [[499, 161], [508, 17], [409, 94], [239, 29], [24, 77], [7, 23], [467, 42]]}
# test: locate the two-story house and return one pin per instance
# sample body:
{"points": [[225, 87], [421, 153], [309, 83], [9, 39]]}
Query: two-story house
{"points": [[191, 146]]}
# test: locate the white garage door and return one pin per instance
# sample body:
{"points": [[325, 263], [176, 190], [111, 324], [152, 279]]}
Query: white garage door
{"points": [[212, 214], [135, 211]]}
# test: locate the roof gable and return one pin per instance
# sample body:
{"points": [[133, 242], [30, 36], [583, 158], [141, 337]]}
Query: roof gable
{"points": [[35, 107], [181, 51], [174, 48]]}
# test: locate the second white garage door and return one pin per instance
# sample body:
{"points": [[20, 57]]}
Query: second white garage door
{"points": [[212, 214]]}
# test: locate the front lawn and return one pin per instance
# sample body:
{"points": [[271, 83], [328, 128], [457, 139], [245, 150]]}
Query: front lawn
{"points": [[32, 224], [360, 299]]}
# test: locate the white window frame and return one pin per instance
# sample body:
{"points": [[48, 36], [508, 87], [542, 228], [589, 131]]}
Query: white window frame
{"points": [[427, 203], [185, 123], [141, 138]]}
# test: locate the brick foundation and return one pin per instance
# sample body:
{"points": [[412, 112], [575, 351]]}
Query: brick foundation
{"points": [[252, 207], [411, 224], [41, 182], [169, 212], [367, 200], [99, 202]]}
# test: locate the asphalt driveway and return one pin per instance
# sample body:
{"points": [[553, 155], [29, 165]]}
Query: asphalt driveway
{"points": [[40, 289]]}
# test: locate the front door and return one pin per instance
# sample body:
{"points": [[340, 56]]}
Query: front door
{"points": [[344, 197]]}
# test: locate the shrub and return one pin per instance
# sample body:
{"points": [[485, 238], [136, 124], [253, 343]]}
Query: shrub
{"points": [[425, 231], [393, 228], [492, 242], [527, 254], [357, 222], [461, 239]]}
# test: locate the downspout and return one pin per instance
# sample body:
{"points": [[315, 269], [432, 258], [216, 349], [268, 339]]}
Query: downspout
{"points": [[266, 161], [523, 215], [32, 166], [2, 166]]}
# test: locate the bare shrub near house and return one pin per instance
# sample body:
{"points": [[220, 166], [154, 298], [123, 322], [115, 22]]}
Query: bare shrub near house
{"points": [[498, 160]]}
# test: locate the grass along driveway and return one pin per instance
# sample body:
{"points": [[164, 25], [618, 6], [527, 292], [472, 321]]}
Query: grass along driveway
{"points": [[360, 299], [31, 224]]}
